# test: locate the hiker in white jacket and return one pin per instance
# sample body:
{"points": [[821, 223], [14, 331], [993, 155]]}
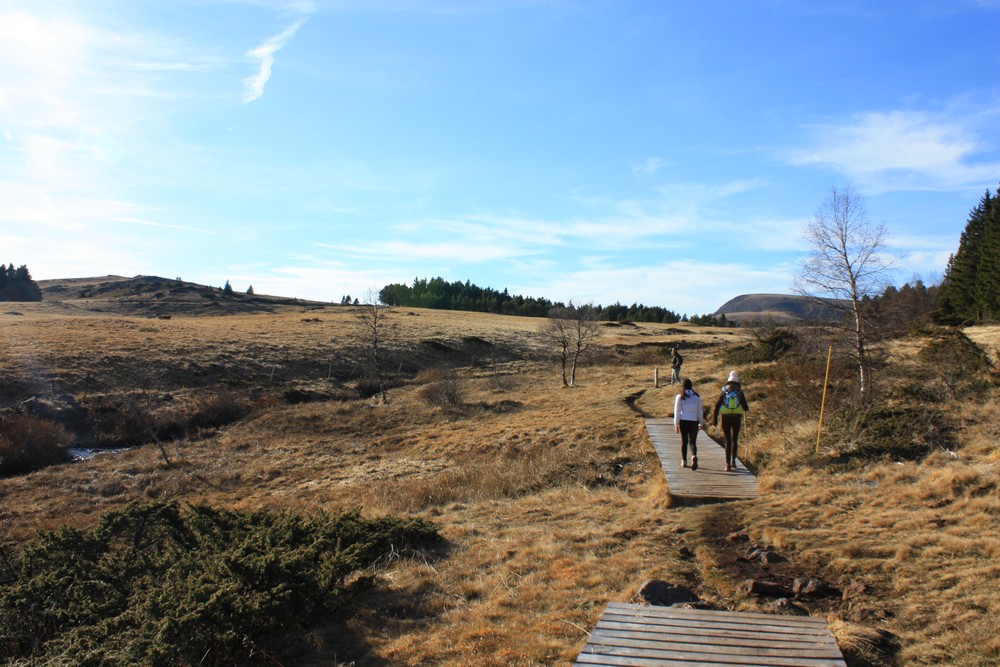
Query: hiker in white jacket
{"points": [[687, 421]]}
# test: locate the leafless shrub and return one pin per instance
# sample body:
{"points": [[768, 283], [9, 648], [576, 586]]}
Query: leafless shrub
{"points": [[219, 409], [368, 387], [28, 443], [136, 418], [447, 390]]}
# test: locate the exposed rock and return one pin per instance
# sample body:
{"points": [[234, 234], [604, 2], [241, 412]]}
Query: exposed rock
{"points": [[765, 588], [804, 587], [765, 556], [664, 594], [786, 606], [869, 616]]}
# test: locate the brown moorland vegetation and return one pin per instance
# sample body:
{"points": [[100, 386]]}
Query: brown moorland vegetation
{"points": [[550, 500]]}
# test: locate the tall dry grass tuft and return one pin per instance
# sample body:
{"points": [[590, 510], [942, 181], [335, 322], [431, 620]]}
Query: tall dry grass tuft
{"points": [[507, 472], [864, 645]]}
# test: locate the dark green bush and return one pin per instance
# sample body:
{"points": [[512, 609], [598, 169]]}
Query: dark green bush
{"points": [[957, 362], [155, 584], [901, 433]]}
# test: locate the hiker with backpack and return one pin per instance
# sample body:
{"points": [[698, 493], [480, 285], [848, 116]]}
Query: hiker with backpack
{"points": [[687, 421], [732, 404], [675, 365]]}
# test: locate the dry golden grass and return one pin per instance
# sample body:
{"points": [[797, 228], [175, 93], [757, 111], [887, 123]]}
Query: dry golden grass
{"points": [[551, 500], [923, 537]]}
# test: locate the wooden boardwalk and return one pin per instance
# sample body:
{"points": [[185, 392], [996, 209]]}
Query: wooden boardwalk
{"points": [[648, 636], [710, 481]]}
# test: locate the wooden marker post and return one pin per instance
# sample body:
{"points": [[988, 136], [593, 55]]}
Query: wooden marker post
{"points": [[822, 405]]}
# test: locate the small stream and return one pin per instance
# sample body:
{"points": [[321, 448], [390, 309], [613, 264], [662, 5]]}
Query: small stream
{"points": [[84, 453]]}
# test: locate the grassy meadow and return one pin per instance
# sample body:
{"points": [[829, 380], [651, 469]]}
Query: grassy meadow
{"points": [[550, 500]]}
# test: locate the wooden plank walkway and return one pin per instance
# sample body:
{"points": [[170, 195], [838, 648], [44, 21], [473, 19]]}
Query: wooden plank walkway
{"points": [[711, 479], [648, 636]]}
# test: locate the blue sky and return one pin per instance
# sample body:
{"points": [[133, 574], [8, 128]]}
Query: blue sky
{"points": [[667, 152]]}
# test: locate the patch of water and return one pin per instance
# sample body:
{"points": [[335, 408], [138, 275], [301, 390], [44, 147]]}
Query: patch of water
{"points": [[84, 453]]}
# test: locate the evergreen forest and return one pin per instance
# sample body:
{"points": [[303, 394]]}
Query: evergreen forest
{"points": [[437, 293], [970, 290], [18, 285]]}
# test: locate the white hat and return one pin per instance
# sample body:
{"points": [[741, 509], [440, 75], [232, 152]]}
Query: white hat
{"points": [[733, 377]]}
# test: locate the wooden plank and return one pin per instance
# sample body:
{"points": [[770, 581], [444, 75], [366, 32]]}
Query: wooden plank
{"points": [[640, 636], [699, 636], [617, 661], [646, 611], [806, 623], [692, 644], [722, 623], [717, 658], [711, 480]]}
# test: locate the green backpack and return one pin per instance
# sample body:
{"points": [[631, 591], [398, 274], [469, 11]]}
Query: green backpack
{"points": [[731, 404]]}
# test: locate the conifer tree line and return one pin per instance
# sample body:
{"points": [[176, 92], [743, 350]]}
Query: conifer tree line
{"points": [[970, 290], [17, 284], [437, 293]]}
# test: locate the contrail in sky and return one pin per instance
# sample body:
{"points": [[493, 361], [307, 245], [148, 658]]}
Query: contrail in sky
{"points": [[253, 86]]}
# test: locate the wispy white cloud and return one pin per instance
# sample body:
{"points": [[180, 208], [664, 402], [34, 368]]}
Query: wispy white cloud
{"points": [[422, 254], [253, 86], [682, 286], [904, 151], [648, 166]]}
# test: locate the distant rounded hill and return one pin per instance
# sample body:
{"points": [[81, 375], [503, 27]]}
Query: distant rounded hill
{"points": [[154, 296], [780, 308]]}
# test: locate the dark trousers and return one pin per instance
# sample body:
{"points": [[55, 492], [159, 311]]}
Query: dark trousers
{"points": [[731, 429], [689, 434]]}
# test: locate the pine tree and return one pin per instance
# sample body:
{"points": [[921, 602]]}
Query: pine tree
{"points": [[971, 288], [988, 274]]}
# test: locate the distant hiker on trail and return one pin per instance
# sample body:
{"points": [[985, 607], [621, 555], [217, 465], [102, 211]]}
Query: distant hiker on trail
{"points": [[732, 404], [675, 365], [687, 421]]}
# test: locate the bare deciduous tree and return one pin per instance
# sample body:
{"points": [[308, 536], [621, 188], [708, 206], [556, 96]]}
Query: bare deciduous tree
{"points": [[372, 321], [572, 329], [138, 406], [847, 261]]}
